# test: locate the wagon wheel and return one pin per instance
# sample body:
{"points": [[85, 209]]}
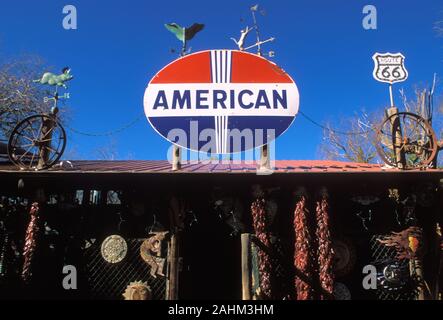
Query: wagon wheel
{"points": [[37, 142], [417, 141]]}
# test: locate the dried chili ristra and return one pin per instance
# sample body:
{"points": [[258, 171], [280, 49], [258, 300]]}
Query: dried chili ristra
{"points": [[302, 254], [325, 253], [30, 243], [261, 231]]}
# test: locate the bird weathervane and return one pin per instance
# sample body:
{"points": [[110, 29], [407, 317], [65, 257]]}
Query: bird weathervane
{"points": [[184, 34]]}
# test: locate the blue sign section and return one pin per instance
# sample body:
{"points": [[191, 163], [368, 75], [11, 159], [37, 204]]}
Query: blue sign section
{"points": [[221, 101]]}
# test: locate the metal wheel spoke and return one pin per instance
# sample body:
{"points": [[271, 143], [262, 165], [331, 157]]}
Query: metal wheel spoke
{"points": [[46, 134], [27, 151]]}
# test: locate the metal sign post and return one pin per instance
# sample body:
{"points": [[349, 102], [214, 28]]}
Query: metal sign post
{"points": [[390, 68]]}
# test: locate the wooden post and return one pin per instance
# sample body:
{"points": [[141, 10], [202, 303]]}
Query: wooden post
{"points": [[246, 266], [45, 136], [264, 164], [396, 137], [416, 269], [172, 287], [176, 158]]}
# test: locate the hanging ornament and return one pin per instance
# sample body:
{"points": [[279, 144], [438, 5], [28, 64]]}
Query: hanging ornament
{"points": [[150, 251], [114, 249], [261, 231], [325, 253], [302, 255], [30, 243], [138, 290]]}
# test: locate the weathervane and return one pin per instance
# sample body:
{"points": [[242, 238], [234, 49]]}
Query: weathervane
{"points": [[184, 34], [244, 33]]}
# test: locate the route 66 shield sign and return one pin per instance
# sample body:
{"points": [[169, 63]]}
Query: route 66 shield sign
{"points": [[389, 67]]}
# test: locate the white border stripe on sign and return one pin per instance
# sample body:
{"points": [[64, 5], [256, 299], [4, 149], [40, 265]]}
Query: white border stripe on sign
{"points": [[221, 64]]}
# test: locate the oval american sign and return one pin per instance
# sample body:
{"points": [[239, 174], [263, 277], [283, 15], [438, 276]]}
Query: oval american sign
{"points": [[221, 101]]}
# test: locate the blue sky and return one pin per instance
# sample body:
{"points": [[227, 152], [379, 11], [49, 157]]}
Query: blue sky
{"points": [[120, 45]]}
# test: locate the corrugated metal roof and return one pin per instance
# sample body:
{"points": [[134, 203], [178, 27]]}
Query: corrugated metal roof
{"points": [[163, 166]]}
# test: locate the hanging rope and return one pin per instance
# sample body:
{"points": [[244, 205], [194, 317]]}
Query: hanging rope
{"points": [[302, 255], [30, 243], [261, 231], [325, 253]]}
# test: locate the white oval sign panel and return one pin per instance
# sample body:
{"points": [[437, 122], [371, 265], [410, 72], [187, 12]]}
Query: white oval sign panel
{"points": [[221, 101]]}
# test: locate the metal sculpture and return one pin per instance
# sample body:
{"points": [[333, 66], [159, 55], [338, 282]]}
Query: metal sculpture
{"points": [[244, 33], [56, 80], [151, 250], [38, 141], [138, 290], [406, 140], [184, 34], [114, 249], [241, 41]]}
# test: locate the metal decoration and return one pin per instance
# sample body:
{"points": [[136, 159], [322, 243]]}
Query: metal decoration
{"points": [[184, 34], [394, 276], [151, 250], [407, 243], [409, 134], [138, 290], [341, 292], [365, 214], [38, 141], [230, 211], [241, 41], [244, 33], [114, 249], [344, 257]]}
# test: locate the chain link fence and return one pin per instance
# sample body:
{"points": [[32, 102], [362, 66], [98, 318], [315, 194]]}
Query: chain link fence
{"points": [[109, 281]]}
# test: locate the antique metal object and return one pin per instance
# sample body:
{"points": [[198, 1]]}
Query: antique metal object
{"points": [[241, 41], [56, 80], [341, 292], [114, 249], [184, 34], [29, 142], [408, 136], [138, 290], [150, 251], [344, 257], [38, 141]]}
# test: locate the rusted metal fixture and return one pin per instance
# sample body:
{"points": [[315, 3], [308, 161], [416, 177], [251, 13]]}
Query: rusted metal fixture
{"points": [[406, 141]]}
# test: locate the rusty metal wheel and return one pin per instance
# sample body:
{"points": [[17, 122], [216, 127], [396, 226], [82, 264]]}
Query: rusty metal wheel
{"points": [[37, 142], [414, 140]]}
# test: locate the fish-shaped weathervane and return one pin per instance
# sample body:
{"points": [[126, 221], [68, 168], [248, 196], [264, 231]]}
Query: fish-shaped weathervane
{"points": [[184, 34]]}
